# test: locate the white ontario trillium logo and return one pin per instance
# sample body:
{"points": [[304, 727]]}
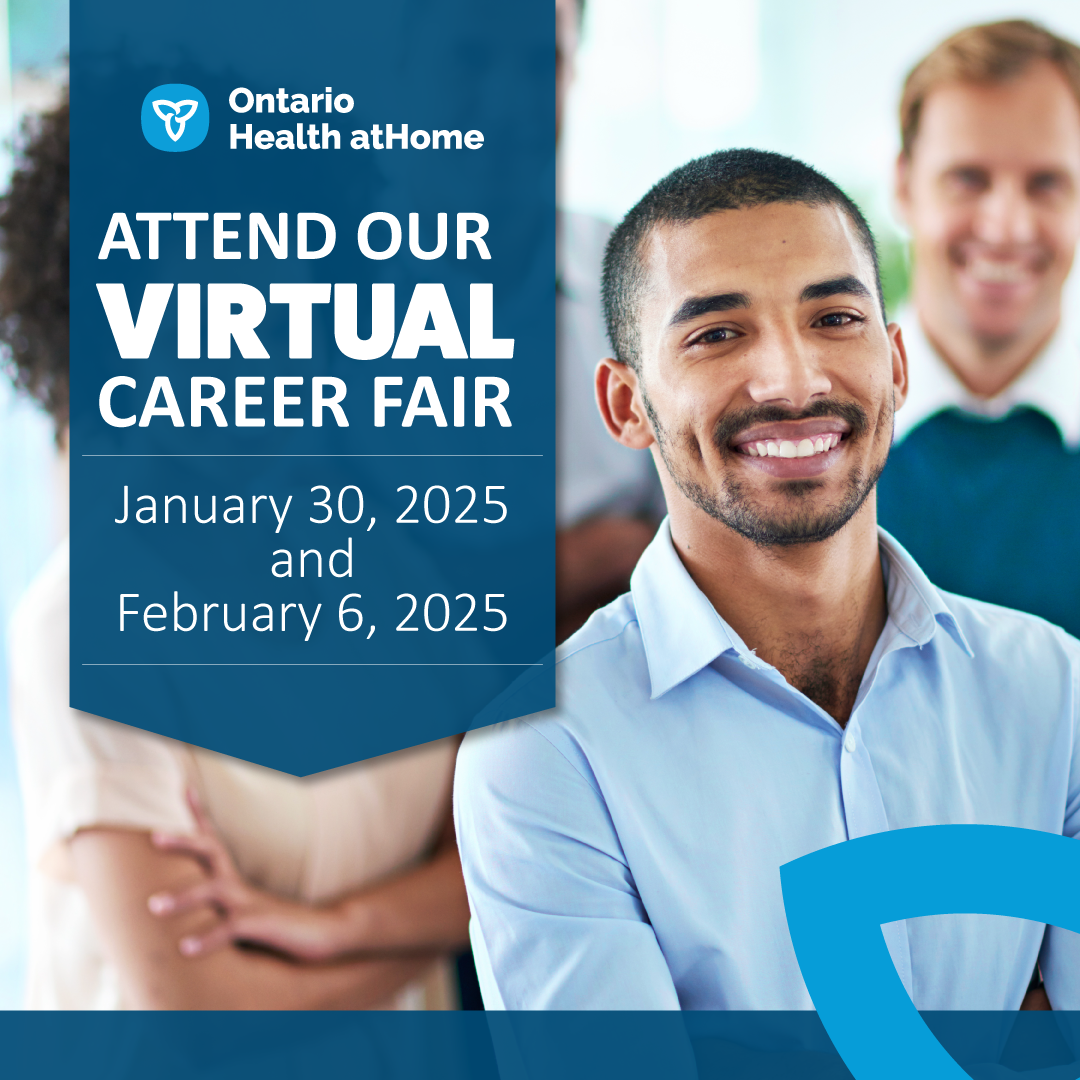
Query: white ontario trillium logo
{"points": [[178, 112]]}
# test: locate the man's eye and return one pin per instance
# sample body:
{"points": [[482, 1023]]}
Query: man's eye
{"points": [[1047, 184], [837, 318], [714, 337], [969, 180]]}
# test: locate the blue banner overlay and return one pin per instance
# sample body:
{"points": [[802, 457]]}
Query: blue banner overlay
{"points": [[312, 426], [503, 1046]]}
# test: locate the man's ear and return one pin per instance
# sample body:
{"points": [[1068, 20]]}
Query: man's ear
{"points": [[899, 364], [618, 396]]}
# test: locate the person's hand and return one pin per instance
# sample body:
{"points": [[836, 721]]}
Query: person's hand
{"points": [[300, 931]]}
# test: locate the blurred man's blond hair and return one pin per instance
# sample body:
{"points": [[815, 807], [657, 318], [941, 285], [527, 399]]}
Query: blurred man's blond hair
{"points": [[990, 53]]}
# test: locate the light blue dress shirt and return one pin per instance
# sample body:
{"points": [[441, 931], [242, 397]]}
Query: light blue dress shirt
{"points": [[622, 851]]}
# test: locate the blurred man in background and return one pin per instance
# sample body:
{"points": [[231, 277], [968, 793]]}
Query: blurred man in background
{"points": [[608, 497], [983, 485]]}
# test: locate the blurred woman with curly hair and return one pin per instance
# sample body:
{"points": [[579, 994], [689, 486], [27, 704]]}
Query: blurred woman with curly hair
{"points": [[167, 876]]}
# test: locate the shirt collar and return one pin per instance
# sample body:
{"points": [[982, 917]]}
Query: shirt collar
{"points": [[1050, 383], [916, 606], [683, 633]]}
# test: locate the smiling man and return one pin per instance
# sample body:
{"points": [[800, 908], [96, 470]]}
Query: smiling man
{"points": [[983, 484], [781, 676]]}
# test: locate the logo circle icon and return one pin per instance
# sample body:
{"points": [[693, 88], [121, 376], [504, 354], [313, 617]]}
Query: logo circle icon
{"points": [[175, 117]]}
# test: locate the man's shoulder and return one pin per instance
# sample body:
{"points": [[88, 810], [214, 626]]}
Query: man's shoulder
{"points": [[606, 656], [1016, 638], [604, 627], [601, 676]]}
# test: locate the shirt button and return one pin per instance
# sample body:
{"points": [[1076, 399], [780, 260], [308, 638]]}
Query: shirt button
{"points": [[849, 743]]}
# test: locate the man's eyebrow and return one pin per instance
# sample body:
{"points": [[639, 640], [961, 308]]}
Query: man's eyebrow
{"points": [[848, 283], [702, 305]]}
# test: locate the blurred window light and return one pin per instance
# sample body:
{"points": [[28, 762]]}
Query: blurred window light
{"points": [[38, 33], [712, 62], [617, 62]]}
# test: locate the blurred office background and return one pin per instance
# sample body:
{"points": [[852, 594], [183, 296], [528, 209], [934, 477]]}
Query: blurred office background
{"points": [[659, 81], [663, 81], [33, 68]]}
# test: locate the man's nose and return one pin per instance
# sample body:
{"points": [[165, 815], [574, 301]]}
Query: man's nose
{"points": [[785, 370], [1005, 214]]}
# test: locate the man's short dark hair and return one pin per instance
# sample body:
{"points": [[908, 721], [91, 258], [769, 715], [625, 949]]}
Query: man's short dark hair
{"points": [[34, 283], [725, 180]]}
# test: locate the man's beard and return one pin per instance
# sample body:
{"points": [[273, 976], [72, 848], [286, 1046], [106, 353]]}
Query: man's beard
{"points": [[736, 509]]}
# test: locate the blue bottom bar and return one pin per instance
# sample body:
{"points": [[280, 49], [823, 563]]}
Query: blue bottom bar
{"points": [[498, 1046]]}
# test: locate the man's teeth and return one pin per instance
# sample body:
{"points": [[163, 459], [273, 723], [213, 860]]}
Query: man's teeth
{"points": [[997, 272], [786, 448]]}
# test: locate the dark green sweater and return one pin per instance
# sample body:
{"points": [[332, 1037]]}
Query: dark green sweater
{"points": [[990, 509]]}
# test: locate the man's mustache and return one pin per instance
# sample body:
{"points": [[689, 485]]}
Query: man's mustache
{"points": [[731, 424]]}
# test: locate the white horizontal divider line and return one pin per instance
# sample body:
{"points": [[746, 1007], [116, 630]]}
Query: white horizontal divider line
{"points": [[311, 455], [283, 664]]}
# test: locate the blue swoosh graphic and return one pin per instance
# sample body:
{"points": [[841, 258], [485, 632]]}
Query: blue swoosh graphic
{"points": [[903, 874]]}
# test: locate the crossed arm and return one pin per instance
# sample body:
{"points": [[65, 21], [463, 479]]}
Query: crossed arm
{"points": [[194, 950]]}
